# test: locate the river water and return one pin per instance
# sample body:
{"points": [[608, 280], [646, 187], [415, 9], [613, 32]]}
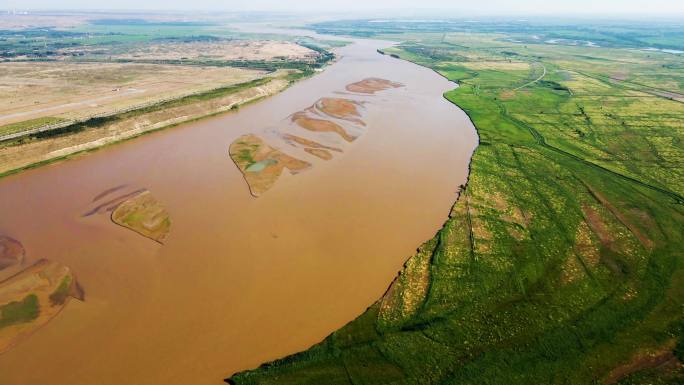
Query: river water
{"points": [[240, 280]]}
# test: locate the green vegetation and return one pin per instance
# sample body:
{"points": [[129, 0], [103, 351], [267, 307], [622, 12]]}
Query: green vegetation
{"points": [[29, 125], [101, 40], [244, 156], [19, 312], [62, 292], [633, 34], [562, 258], [47, 42]]}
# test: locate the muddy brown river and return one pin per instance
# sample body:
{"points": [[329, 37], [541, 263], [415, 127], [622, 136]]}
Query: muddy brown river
{"points": [[239, 280]]}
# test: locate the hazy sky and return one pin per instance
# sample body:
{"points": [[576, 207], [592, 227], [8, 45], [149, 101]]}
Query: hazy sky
{"points": [[518, 7]]}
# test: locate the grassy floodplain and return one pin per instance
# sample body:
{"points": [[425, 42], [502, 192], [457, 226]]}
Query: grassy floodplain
{"points": [[561, 262]]}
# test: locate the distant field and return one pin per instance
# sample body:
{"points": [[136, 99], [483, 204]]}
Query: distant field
{"points": [[209, 50], [71, 91], [69, 67], [573, 33], [71, 82], [562, 260]]}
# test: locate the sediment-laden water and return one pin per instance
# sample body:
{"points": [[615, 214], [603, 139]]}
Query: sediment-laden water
{"points": [[238, 280]]}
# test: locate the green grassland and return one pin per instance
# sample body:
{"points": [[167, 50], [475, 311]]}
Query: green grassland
{"points": [[29, 125], [17, 312], [663, 34], [562, 259]]}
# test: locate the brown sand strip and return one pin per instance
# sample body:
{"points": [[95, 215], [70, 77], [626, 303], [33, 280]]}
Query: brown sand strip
{"points": [[321, 153], [320, 125], [340, 108], [308, 143], [372, 85]]}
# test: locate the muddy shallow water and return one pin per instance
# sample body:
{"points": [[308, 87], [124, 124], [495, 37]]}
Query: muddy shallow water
{"points": [[239, 280]]}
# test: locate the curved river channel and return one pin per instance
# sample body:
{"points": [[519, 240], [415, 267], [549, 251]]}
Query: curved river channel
{"points": [[239, 280]]}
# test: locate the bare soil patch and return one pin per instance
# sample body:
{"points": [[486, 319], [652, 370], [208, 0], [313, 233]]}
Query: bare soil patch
{"points": [[643, 239], [647, 359], [308, 142], [340, 108], [321, 153], [372, 85], [595, 222], [507, 94], [320, 125]]}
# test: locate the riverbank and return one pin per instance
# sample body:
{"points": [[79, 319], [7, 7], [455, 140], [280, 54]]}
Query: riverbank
{"points": [[340, 230], [556, 263], [51, 146]]}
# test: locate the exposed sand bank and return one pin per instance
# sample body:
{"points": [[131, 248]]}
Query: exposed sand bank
{"points": [[134, 209], [321, 125], [143, 214], [32, 297], [372, 85], [262, 164]]}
